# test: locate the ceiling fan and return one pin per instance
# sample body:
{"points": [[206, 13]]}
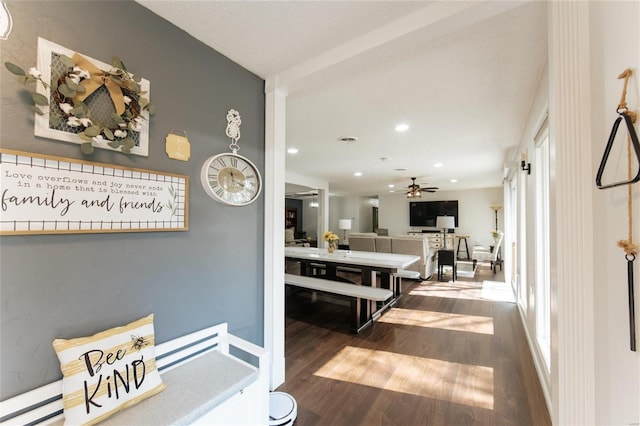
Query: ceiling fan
{"points": [[414, 190]]}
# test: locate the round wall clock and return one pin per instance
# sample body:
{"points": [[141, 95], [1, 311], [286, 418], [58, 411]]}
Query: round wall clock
{"points": [[231, 179]]}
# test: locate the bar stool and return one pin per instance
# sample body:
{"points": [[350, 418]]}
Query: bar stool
{"points": [[462, 238]]}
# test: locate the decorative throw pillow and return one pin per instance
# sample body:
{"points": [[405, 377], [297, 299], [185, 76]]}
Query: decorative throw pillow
{"points": [[108, 371]]}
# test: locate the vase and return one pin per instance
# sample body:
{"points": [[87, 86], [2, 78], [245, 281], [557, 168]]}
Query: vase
{"points": [[332, 247]]}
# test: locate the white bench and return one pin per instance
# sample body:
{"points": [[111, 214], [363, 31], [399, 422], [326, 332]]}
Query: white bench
{"points": [[361, 297], [205, 385]]}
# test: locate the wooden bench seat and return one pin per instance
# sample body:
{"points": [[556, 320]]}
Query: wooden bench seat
{"points": [[205, 385], [412, 275], [361, 297]]}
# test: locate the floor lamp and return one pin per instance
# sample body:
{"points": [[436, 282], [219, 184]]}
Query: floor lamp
{"points": [[496, 209], [344, 224]]}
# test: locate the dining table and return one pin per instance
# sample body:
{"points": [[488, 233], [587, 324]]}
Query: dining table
{"points": [[368, 264]]}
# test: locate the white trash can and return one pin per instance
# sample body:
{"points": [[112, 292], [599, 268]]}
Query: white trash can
{"points": [[283, 409]]}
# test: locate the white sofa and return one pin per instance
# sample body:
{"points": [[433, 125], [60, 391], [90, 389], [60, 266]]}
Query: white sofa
{"points": [[289, 239], [400, 244]]}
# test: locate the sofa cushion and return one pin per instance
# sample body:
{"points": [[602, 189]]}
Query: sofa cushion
{"points": [[363, 234], [383, 244], [362, 243]]}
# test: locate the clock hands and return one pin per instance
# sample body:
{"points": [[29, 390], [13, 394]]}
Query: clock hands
{"points": [[236, 181]]}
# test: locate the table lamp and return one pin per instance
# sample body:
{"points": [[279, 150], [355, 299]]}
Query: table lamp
{"points": [[445, 222], [344, 224]]}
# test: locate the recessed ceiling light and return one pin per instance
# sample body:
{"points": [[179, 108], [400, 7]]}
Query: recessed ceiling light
{"points": [[438, 165], [391, 185], [347, 139], [402, 127], [401, 169], [357, 174], [292, 150], [454, 181]]}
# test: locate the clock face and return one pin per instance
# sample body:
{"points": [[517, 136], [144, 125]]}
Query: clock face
{"points": [[231, 179]]}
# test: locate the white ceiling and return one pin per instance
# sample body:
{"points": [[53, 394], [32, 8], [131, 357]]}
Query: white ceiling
{"points": [[461, 74]]}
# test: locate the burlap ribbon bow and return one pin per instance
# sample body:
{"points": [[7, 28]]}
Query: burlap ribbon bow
{"points": [[96, 80]]}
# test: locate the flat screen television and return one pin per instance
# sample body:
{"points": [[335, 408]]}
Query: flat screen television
{"points": [[424, 213]]}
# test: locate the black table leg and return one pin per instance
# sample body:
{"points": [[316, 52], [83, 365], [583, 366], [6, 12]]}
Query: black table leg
{"points": [[360, 314]]}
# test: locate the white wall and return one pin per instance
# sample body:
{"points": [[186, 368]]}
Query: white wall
{"points": [[475, 217], [309, 218], [314, 220], [615, 46], [358, 209]]}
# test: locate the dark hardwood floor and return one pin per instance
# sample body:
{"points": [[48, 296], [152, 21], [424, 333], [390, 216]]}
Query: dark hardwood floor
{"points": [[444, 355]]}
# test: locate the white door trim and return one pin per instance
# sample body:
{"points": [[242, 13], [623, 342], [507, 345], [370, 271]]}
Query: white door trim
{"points": [[571, 193]]}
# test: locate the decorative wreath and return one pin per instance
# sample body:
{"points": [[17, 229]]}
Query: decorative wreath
{"points": [[76, 83]]}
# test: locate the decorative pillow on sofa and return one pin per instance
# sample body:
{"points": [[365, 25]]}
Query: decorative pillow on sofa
{"points": [[108, 371]]}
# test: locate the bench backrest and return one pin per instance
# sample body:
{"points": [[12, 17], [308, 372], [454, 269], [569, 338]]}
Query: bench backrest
{"points": [[44, 404]]}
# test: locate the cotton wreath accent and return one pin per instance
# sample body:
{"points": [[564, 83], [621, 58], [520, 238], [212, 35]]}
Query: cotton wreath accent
{"points": [[70, 91]]}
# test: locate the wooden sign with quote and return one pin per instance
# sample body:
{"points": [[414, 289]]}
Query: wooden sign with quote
{"points": [[43, 194]]}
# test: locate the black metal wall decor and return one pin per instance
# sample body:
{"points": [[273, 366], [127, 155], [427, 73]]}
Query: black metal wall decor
{"points": [[630, 249], [628, 119]]}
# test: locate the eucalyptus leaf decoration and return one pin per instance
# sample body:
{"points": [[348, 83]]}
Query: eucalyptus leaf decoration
{"points": [[69, 93], [173, 202], [33, 76]]}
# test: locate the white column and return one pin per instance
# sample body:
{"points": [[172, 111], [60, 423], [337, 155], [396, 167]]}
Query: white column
{"points": [[572, 182], [323, 215], [275, 119]]}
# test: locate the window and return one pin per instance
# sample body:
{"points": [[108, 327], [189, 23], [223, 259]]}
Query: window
{"points": [[521, 275], [542, 259]]}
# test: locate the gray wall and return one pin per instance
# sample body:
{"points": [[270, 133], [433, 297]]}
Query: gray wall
{"points": [[64, 286]]}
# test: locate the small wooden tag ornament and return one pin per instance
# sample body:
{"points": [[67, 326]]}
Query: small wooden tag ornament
{"points": [[178, 146]]}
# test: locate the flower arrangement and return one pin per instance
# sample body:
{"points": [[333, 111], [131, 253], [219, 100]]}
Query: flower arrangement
{"points": [[77, 81], [330, 237]]}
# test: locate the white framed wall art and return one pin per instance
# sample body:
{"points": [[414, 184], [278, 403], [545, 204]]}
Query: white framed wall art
{"points": [[99, 103]]}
